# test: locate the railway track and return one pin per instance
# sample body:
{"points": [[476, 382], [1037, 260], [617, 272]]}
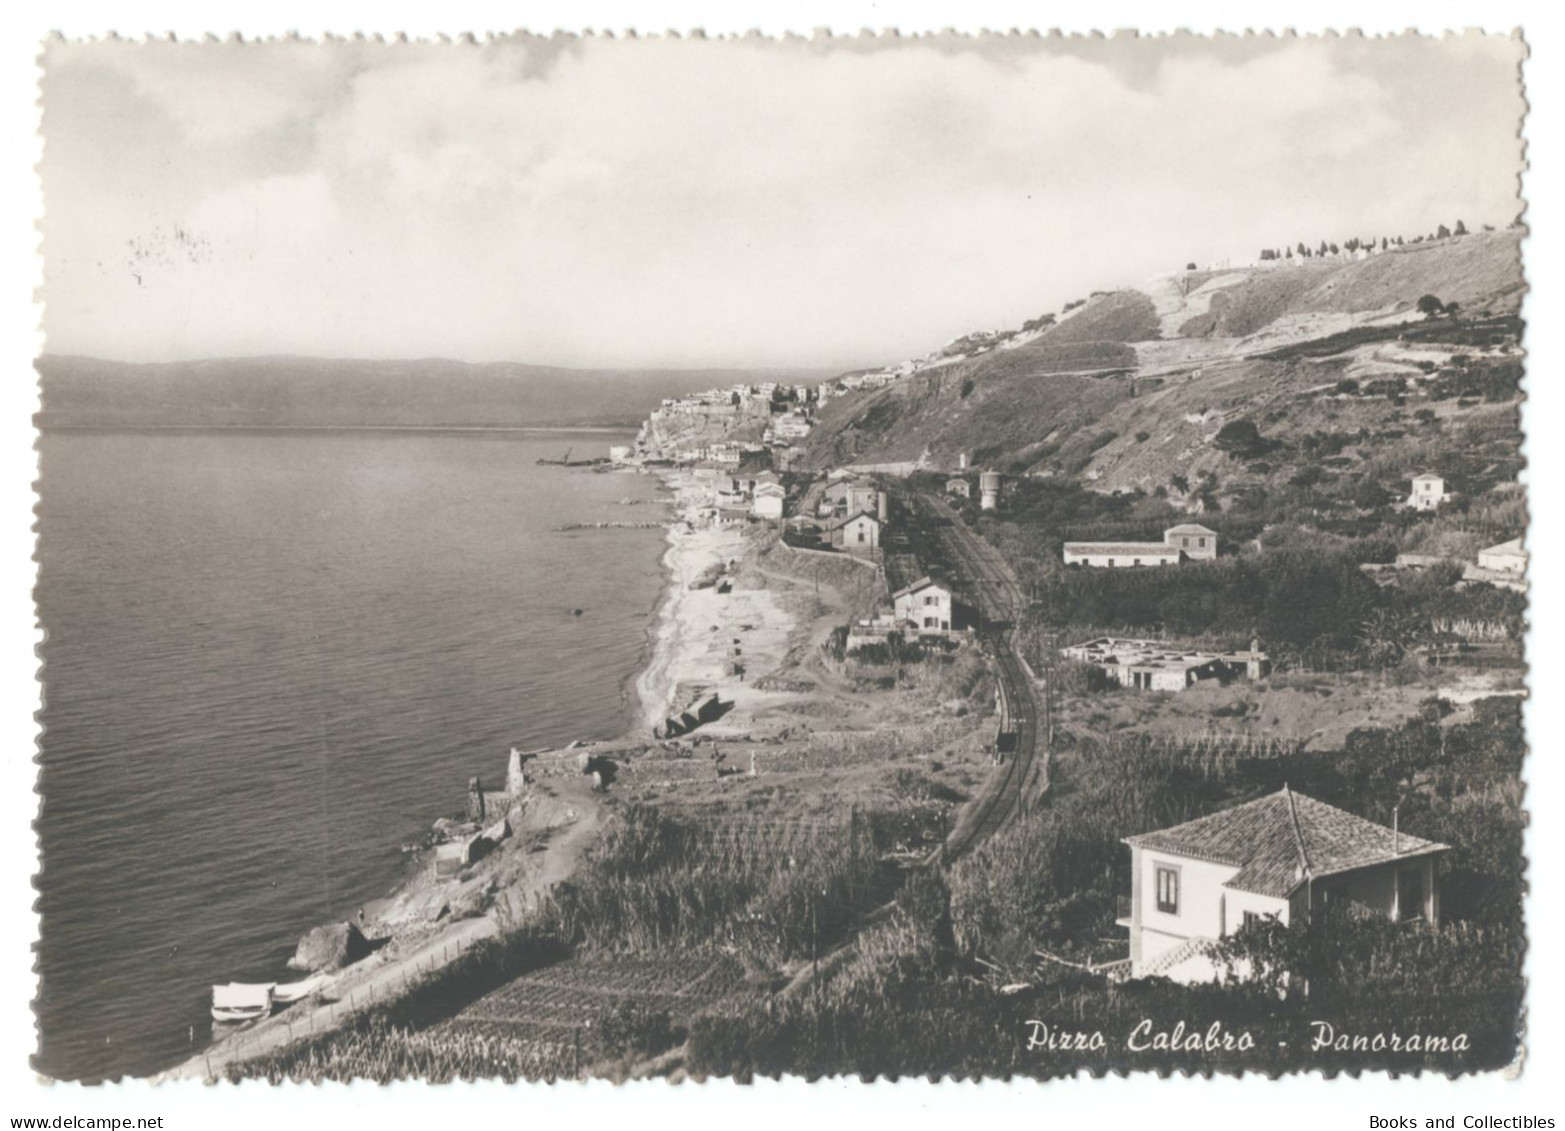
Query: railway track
{"points": [[1000, 603]]}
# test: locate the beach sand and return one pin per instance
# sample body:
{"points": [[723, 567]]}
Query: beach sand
{"points": [[699, 635]]}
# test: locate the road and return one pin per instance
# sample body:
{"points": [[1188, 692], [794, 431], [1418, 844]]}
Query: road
{"points": [[1000, 602]]}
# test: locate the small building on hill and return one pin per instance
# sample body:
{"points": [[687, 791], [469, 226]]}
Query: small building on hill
{"points": [[960, 487], [926, 604], [1284, 855], [1428, 492]]}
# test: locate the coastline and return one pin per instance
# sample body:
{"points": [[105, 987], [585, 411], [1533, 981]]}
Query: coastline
{"points": [[693, 639], [703, 639], [551, 831]]}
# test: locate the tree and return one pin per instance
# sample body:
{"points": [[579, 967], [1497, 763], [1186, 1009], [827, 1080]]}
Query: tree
{"points": [[1442, 233], [1430, 305], [1461, 229], [1240, 438]]}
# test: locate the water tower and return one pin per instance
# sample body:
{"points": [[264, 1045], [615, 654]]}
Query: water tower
{"points": [[989, 490]]}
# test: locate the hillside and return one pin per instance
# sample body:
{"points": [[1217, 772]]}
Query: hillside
{"points": [[1129, 389], [320, 392]]}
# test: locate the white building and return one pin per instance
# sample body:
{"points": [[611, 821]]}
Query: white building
{"points": [[857, 534], [1507, 557], [926, 603], [1180, 543], [1120, 555], [1428, 492], [1195, 541], [767, 502], [1149, 665], [1282, 855]]}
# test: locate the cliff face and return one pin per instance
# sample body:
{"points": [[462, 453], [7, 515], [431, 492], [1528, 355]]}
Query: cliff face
{"points": [[672, 432], [1132, 387]]}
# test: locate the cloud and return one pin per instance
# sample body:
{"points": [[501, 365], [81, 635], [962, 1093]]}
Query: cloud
{"points": [[677, 201]]}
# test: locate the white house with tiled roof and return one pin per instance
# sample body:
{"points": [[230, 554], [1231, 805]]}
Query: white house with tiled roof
{"points": [[1280, 855]]}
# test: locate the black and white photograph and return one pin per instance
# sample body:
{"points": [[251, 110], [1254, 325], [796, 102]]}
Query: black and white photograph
{"points": [[574, 555]]}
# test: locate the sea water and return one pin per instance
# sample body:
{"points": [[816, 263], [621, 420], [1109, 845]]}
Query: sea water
{"points": [[271, 660]]}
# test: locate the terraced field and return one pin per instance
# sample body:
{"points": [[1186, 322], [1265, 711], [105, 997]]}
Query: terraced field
{"points": [[552, 1005]]}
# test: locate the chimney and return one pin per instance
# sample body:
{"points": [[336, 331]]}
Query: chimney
{"points": [[883, 506]]}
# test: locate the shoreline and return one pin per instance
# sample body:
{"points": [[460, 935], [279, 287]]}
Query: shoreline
{"points": [[692, 639], [418, 945]]}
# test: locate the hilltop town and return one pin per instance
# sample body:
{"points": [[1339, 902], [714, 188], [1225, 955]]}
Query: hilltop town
{"points": [[1075, 663]]}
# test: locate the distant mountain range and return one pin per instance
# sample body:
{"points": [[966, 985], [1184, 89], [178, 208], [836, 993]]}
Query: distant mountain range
{"points": [[303, 392]]}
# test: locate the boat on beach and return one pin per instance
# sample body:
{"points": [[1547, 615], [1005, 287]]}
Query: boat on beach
{"points": [[290, 992], [242, 1001]]}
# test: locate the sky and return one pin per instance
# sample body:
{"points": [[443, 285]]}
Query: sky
{"points": [[611, 202]]}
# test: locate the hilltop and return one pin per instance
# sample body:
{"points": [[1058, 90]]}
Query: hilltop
{"points": [[1130, 388]]}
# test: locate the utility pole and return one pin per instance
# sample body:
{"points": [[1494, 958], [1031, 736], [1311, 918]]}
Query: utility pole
{"points": [[815, 941]]}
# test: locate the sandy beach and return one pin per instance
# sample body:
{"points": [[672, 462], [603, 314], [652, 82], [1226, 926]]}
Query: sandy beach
{"points": [[703, 639]]}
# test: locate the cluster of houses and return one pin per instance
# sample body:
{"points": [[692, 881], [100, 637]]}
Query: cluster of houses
{"points": [[1150, 665], [1186, 542], [734, 497]]}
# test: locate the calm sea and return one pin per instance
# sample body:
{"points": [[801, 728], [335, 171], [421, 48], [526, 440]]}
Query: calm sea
{"points": [[274, 658]]}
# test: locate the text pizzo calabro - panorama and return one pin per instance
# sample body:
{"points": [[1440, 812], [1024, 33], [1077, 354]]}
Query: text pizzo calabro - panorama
{"points": [[1147, 1036]]}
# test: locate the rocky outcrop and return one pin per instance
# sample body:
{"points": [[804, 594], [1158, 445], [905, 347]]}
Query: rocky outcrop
{"points": [[330, 947]]}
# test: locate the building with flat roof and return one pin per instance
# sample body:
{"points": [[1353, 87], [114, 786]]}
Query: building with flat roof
{"points": [[1151, 665]]}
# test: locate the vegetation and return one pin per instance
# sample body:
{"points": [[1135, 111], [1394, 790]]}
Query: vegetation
{"points": [[1049, 882]]}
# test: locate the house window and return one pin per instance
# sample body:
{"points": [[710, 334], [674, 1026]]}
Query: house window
{"points": [[1168, 890], [1201, 542], [861, 534], [1251, 918]]}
